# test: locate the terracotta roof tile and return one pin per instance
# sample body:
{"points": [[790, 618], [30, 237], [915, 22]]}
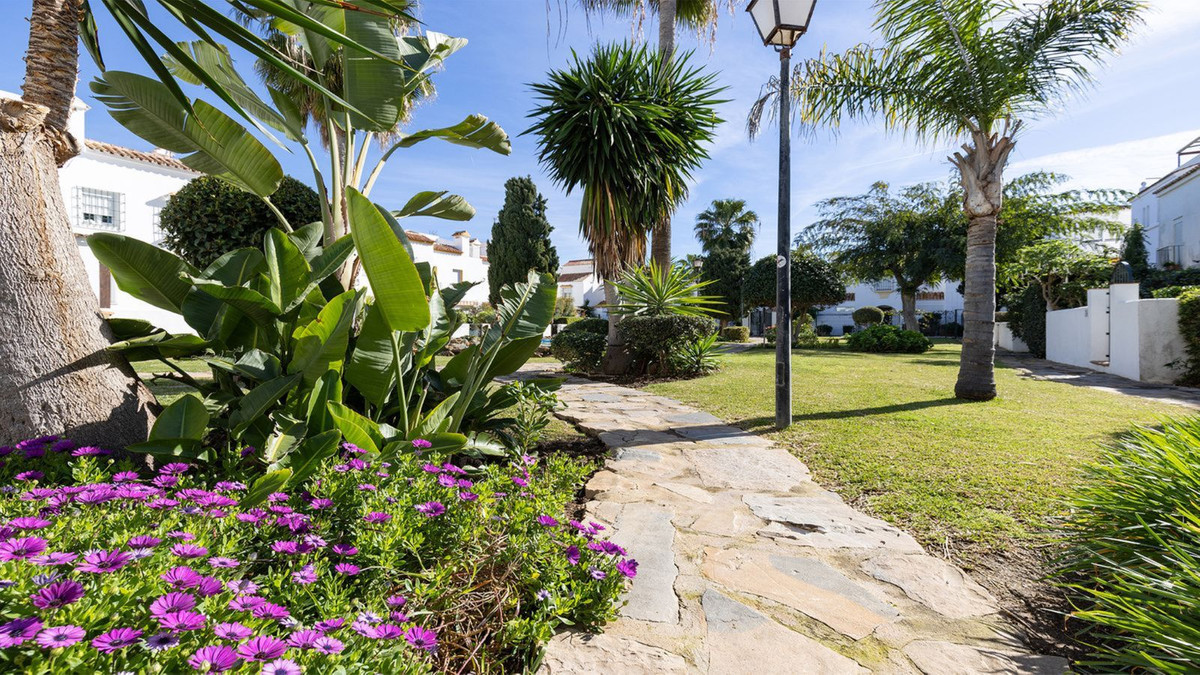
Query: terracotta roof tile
{"points": [[579, 262], [138, 156], [419, 237], [574, 276], [446, 248]]}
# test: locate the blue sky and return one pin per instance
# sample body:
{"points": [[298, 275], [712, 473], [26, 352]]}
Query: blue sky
{"points": [[1125, 130]]}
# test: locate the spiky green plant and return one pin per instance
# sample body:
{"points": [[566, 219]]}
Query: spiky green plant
{"points": [[660, 291]]}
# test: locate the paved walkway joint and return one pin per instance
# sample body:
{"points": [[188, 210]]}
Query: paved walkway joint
{"points": [[748, 566]]}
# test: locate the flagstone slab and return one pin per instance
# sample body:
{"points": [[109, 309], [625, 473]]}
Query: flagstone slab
{"points": [[758, 469], [935, 657], [804, 584], [743, 640], [647, 534], [578, 653], [692, 492], [934, 583], [822, 522]]}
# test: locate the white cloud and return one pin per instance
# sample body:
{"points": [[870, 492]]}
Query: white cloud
{"points": [[1118, 165]]}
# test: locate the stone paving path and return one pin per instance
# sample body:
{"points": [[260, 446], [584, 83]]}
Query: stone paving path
{"points": [[748, 566], [1040, 369]]}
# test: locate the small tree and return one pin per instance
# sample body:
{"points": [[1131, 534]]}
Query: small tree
{"points": [[208, 217], [1134, 251], [726, 231], [520, 238], [815, 283], [1061, 269]]}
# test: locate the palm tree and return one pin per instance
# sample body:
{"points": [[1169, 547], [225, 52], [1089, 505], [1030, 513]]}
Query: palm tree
{"points": [[58, 376], [700, 15], [726, 221], [964, 69], [628, 127], [726, 232]]}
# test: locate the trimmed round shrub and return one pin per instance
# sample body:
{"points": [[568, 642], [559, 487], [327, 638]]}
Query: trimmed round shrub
{"points": [[656, 338], [580, 351], [888, 339], [735, 333], [824, 330], [588, 325], [867, 316], [804, 336], [208, 217]]}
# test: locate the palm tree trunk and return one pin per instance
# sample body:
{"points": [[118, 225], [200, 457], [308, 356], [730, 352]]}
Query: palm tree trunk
{"points": [[617, 359], [908, 309], [57, 377], [660, 245]]}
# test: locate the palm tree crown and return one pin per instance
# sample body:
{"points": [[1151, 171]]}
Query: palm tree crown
{"points": [[726, 221]]}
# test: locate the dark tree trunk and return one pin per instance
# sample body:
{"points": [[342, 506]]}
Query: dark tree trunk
{"points": [[57, 377], [908, 309]]}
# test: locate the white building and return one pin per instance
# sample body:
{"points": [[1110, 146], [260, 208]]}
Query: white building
{"points": [[1169, 210], [463, 258], [942, 298], [577, 279]]}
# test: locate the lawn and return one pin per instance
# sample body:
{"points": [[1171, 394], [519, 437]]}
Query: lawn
{"points": [[886, 432]]}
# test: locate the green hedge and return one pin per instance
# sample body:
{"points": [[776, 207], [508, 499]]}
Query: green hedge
{"points": [[735, 334], [588, 325], [1133, 555], [888, 339], [656, 338], [1027, 319], [580, 351], [1189, 326], [1170, 291]]}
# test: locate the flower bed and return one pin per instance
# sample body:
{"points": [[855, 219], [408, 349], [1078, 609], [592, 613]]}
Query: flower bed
{"points": [[416, 565]]}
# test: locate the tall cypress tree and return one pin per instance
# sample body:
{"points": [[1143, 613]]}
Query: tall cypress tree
{"points": [[520, 238]]}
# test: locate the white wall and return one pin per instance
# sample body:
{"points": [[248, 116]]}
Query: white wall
{"points": [[1068, 337], [1006, 340], [447, 264]]}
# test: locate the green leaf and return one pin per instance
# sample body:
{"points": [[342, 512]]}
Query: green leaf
{"points": [[308, 238], [321, 345], [264, 486], [146, 272], [437, 205], [209, 140], [308, 457], [172, 448], [355, 428], [235, 268], [186, 418], [287, 270], [372, 85], [160, 345], [476, 131], [286, 435], [256, 402], [331, 258], [440, 444], [393, 278], [126, 329], [435, 419], [512, 356], [371, 368], [258, 365], [258, 308], [328, 388]]}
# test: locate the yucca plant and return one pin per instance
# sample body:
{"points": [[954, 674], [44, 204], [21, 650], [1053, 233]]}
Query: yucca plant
{"points": [[1133, 556], [662, 291]]}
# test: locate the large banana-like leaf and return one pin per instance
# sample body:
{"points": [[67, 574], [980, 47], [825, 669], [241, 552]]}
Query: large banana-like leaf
{"points": [[127, 329], [262, 488], [256, 402], [309, 455], [185, 418], [371, 84], [394, 280], [355, 428], [211, 141], [321, 345], [316, 413], [146, 272], [160, 345], [371, 369], [476, 131], [435, 420], [525, 310], [287, 271], [257, 307], [331, 258], [235, 268], [308, 238], [288, 432], [437, 205]]}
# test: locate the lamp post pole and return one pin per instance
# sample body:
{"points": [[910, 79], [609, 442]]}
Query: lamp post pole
{"points": [[783, 263]]}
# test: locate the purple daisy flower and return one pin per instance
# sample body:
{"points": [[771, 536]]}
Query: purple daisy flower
{"points": [[328, 645], [53, 559], [305, 575], [89, 451], [172, 602], [116, 639], [21, 549], [387, 631], [281, 667], [320, 504], [161, 642], [242, 587], [468, 496], [611, 548], [520, 481], [57, 595], [349, 569], [396, 601], [29, 523], [547, 521], [573, 554], [223, 562], [421, 638], [124, 476], [59, 636], [446, 480], [270, 610], [181, 535], [181, 621], [285, 547], [187, 551], [377, 517], [102, 562], [214, 659], [628, 568], [173, 469], [246, 603], [304, 639], [29, 475], [209, 586], [17, 631], [597, 573], [344, 549], [232, 631], [421, 444], [431, 509], [181, 577], [330, 625], [262, 648]]}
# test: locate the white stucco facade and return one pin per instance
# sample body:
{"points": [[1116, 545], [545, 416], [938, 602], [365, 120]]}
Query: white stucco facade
{"points": [[940, 298], [577, 280], [461, 258], [1169, 210]]}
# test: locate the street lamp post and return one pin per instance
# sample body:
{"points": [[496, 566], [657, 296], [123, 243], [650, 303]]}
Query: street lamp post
{"points": [[780, 23]]}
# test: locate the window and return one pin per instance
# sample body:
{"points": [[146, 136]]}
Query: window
{"points": [[458, 276], [99, 209], [156, 223], [931, 295], [1171, 253], [566, 291], [884, 286]]}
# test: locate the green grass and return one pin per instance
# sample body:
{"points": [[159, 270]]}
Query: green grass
{"points": [[886, 432], [188, 365]]}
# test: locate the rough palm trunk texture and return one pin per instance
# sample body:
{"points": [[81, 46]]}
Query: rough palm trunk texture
{"points": [[660, 245], [56, 376]]}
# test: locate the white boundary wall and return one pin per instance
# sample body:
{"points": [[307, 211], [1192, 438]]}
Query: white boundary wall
{"points": [[1006, 340], [1121, 334]]}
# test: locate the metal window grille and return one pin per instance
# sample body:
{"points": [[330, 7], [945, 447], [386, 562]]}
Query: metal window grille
{"points": [[884, 286], [99, 209], [156, 224]]}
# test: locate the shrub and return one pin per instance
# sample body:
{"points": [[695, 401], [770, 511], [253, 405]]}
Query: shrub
{"points": [[888, 339], [1169, 291], [824, 330], [427, 565], [1027, 320], [658, 291], [735, 333], [1001, 317], [696, 358], [521, 241], [208, 217], [1189, 327], [656, 338], [867, 316], [580, 350], [847, 329], [804, 336], [588, 325], [955, 329], [1133, 557]]}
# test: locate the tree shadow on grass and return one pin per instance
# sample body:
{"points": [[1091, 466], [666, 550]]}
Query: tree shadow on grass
{"points": [[758, 422]]}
